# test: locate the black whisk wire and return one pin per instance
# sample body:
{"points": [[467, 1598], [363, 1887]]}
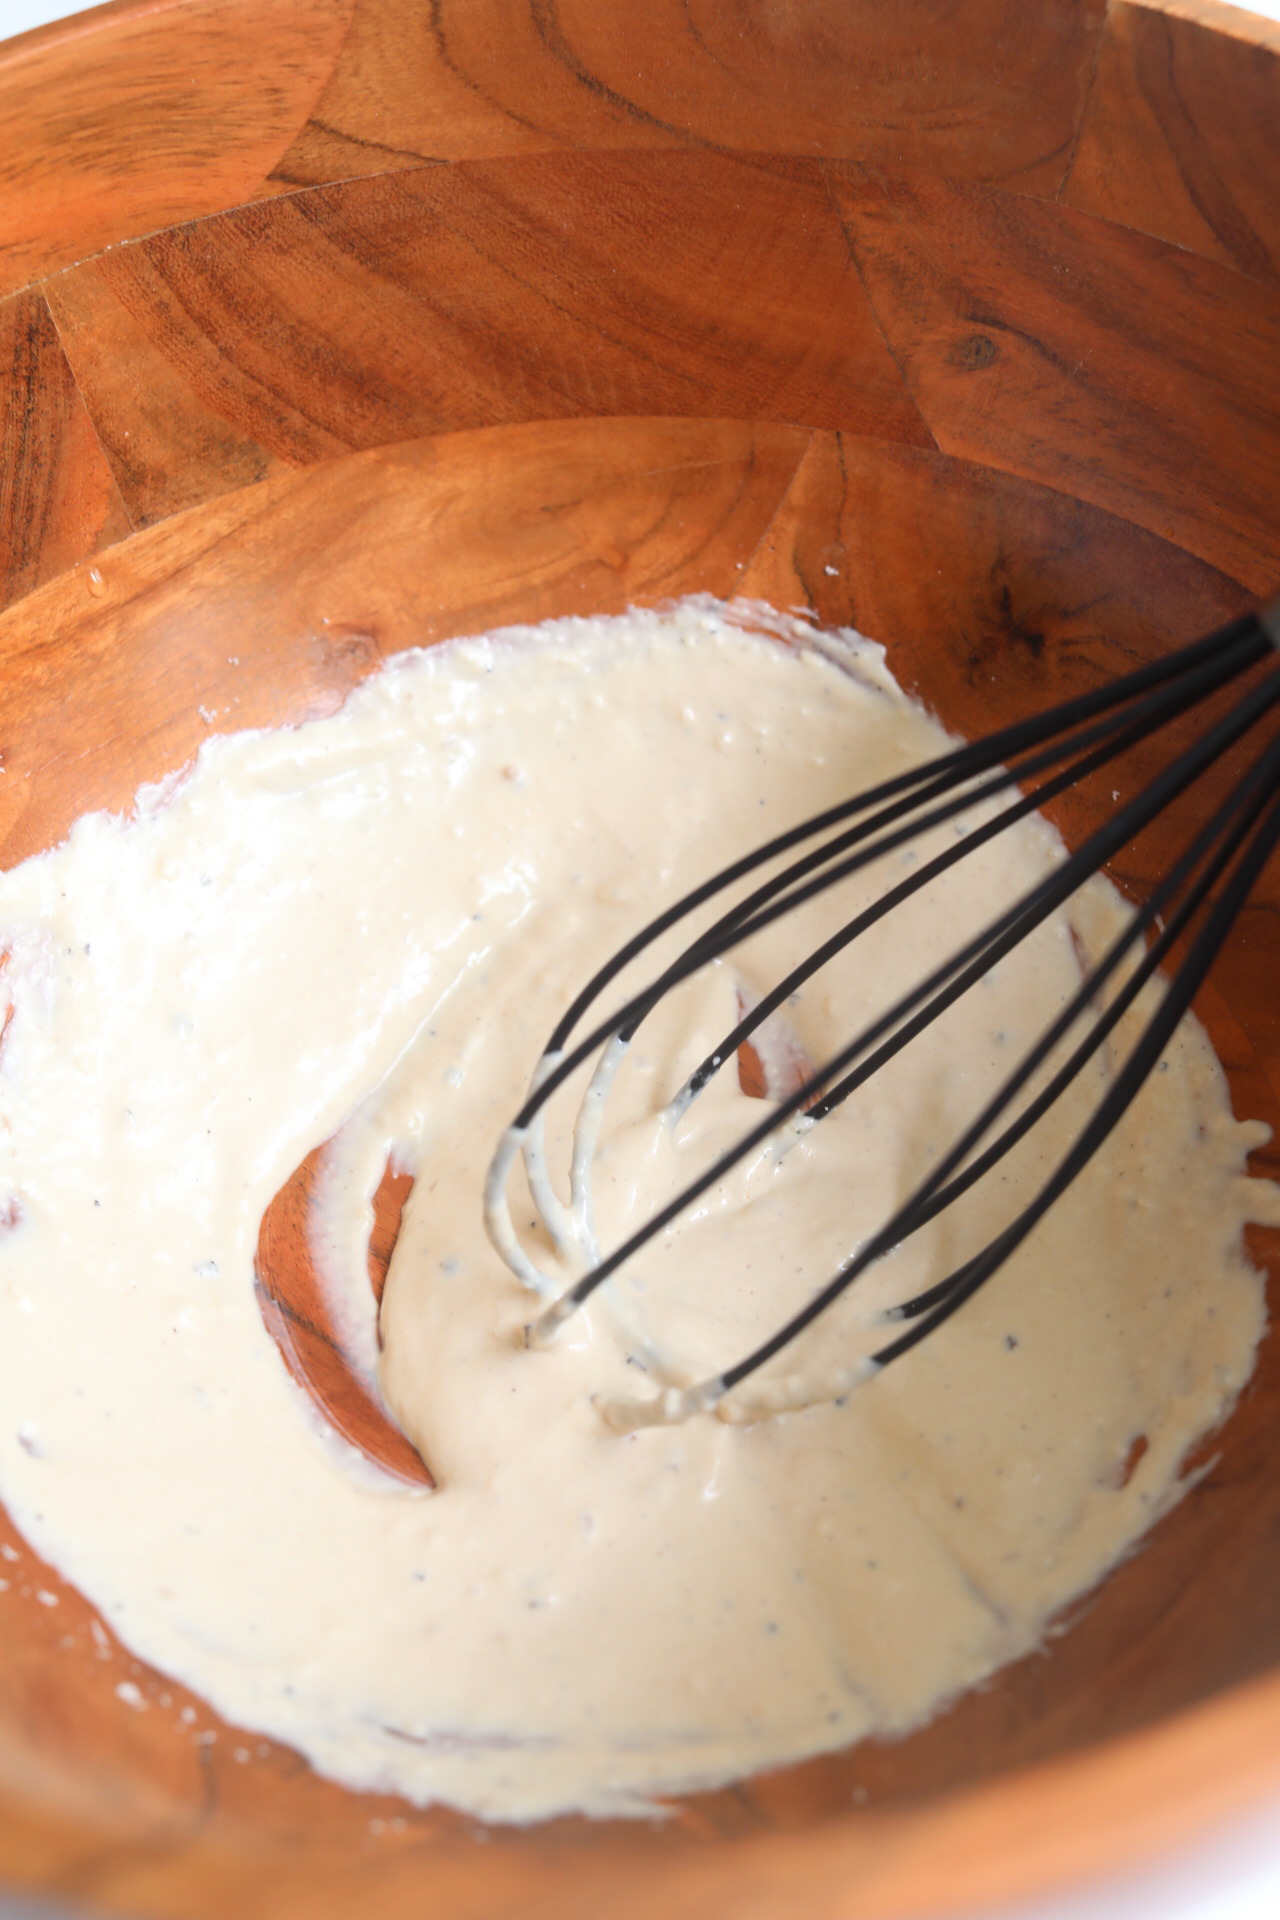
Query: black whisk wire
{"points": [[1247, 802], [929, 998], [1198, 670], [1066, 744], [1115, 744], [933, 1195], [1181, 991], [973, 757]]}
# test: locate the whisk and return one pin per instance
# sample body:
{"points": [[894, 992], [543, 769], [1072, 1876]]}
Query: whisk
{"points": [[1195, 901]]}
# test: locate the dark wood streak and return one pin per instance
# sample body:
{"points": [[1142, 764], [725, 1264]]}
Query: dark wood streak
{"points": [[440, 35], [545, 15], [58, 500], [1159, 78]]}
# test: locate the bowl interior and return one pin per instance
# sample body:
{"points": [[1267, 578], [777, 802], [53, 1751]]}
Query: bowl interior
{"points": [[994, 597]]}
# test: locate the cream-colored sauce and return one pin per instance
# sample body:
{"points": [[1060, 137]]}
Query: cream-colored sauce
{"points": [[377, 919]]}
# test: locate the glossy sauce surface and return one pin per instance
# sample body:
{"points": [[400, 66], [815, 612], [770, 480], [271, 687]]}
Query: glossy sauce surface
{"points": [[373, 922]]}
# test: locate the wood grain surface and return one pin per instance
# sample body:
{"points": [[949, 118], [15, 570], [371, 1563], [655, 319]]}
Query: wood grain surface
{"points": [[1113, 367], [1243, 23], [1157, 151], [475, 295], [123, 131], [988, 91], [58, 499], [130, 119], [383, 322]]}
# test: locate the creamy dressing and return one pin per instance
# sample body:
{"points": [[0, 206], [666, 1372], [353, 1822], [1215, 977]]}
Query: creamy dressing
{"points": [[376, 919]]}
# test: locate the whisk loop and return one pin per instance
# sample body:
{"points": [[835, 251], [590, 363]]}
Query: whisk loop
{"points": [[1209, 881]]}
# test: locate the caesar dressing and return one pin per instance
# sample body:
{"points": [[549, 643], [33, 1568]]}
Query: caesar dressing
{"points": [[374, 921]]}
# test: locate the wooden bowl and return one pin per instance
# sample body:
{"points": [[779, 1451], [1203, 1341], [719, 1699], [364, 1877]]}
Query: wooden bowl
{"points": [[334, 326]]}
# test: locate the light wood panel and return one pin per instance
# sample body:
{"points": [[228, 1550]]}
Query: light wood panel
{"points": [[1244, 23], [980, 89], [128, 119]]}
